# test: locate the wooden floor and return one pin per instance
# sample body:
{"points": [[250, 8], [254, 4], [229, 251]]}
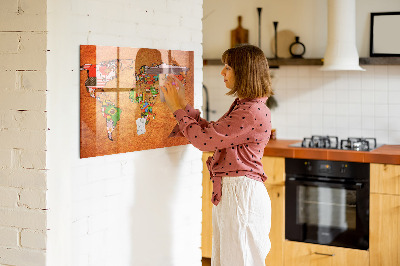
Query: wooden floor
{"points": [[206, 261]]}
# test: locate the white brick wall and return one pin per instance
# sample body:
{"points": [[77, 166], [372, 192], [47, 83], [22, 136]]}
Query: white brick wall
{"points": [[23, 132], [112, 210], [140, 208]]}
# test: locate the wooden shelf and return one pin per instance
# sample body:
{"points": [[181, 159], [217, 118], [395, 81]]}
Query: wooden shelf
{"points": [[274, 63], [380, 61]]}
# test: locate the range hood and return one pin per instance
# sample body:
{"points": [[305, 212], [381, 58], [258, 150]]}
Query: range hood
{"points": [[341, 51]]}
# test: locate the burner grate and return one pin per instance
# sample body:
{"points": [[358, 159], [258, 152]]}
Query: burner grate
{"points": [[327, 142], [358, 144], [332, 142]]}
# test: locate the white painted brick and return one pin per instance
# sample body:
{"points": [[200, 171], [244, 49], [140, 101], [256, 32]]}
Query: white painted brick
{"points": [[33, 159], [114, 186], [23, 178], [31, 80], [32, 55], [33, 239], [8, 197], [179, 7], [196, 37], [149, 30], [98, 222], [80, 227], [196, 10], [9, 42], [8, 237], [8, 6], [15, 158], [96, 173], [167, 19], [23, 218], [23, 22], [35, 120], [33, 199], [33, 44], [17, 256], [5, 158], [79, 176], [23, 139], [23, 100], [34, 7], [192, 23], [7, 79], [145, 14]]}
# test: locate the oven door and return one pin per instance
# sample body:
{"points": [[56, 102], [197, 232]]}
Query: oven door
{"points": [[327, 213]]}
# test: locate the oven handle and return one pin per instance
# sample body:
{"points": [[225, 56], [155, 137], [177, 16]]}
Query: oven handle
{"points": [[357, 185]]}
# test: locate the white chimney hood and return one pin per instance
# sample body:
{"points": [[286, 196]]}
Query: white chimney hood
{"points": [[341, 51]]}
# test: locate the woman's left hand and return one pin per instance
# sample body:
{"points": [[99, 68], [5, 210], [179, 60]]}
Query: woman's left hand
{"points": [[171, 96]]}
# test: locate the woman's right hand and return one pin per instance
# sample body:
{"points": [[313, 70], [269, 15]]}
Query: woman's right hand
{"points": [[181, 89], [174, 93]]}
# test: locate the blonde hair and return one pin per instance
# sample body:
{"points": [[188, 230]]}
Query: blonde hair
{"points": [[250, 66]]}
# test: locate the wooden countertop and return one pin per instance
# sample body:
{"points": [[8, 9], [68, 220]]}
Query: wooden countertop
{"points": [[389, 154]]}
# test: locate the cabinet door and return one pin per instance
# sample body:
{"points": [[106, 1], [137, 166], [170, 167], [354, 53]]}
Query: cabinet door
{"points": [[274, 168], [385, 178], [304, 254], [206, 232], [277, 233], [384, 230]]}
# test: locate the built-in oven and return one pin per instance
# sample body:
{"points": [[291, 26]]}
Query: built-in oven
{"points": [[327, 202]]}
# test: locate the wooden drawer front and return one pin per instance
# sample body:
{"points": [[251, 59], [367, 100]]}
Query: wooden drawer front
{"points": [[385, 178], [304, 254], [274, 168], [384, 230]]}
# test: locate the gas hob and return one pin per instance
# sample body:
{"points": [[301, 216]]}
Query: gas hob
{"points": [[332, 142]]}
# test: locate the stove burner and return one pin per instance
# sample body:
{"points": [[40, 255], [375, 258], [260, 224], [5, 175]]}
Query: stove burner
{"points": [[358, 144], [332, 142], [328, 142]]}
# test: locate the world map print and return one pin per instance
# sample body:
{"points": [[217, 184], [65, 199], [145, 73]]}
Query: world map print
{"points": [[122, 106]]}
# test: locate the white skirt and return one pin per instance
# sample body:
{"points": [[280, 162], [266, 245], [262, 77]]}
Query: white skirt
{"points": [[241, 223]]}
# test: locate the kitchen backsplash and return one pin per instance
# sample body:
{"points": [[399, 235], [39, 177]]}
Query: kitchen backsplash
{"points": [[314, 102]]}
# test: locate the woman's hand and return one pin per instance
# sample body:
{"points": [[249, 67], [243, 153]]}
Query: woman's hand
{"points": [[174, 93]]}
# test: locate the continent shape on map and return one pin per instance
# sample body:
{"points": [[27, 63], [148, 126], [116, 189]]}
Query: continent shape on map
{"points": [[144, 91]]}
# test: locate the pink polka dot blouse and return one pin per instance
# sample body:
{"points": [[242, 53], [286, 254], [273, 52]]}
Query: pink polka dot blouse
{"points": [[238, 139]]}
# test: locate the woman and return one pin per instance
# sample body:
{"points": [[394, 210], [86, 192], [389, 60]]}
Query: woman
{"points": [[242, 211]]}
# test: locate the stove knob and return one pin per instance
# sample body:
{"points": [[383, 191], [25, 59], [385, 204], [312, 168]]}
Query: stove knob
{"points": [[308, 166], [343, 168]]}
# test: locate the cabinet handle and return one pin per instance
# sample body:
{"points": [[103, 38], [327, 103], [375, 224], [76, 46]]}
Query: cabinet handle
{"points": [[324, 254]]}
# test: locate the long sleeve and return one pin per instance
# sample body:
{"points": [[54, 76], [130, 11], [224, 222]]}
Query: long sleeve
{"points": [[238, 140], [193, 113], [231, 130]]}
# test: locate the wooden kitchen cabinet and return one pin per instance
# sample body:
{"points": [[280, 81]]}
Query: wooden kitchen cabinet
{"points": [[305, 254], [274, 168], [206, 225], [385, 215], [385, 178], [277, 233]]}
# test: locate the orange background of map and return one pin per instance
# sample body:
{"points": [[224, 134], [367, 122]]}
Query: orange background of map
{"points": [[93, 132]]}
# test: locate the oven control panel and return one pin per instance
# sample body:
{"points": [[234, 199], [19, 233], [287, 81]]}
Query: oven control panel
{"points": [[337, 169]]}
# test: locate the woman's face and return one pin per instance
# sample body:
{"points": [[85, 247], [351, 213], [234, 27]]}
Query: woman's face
{"points": [[229, 76]]}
